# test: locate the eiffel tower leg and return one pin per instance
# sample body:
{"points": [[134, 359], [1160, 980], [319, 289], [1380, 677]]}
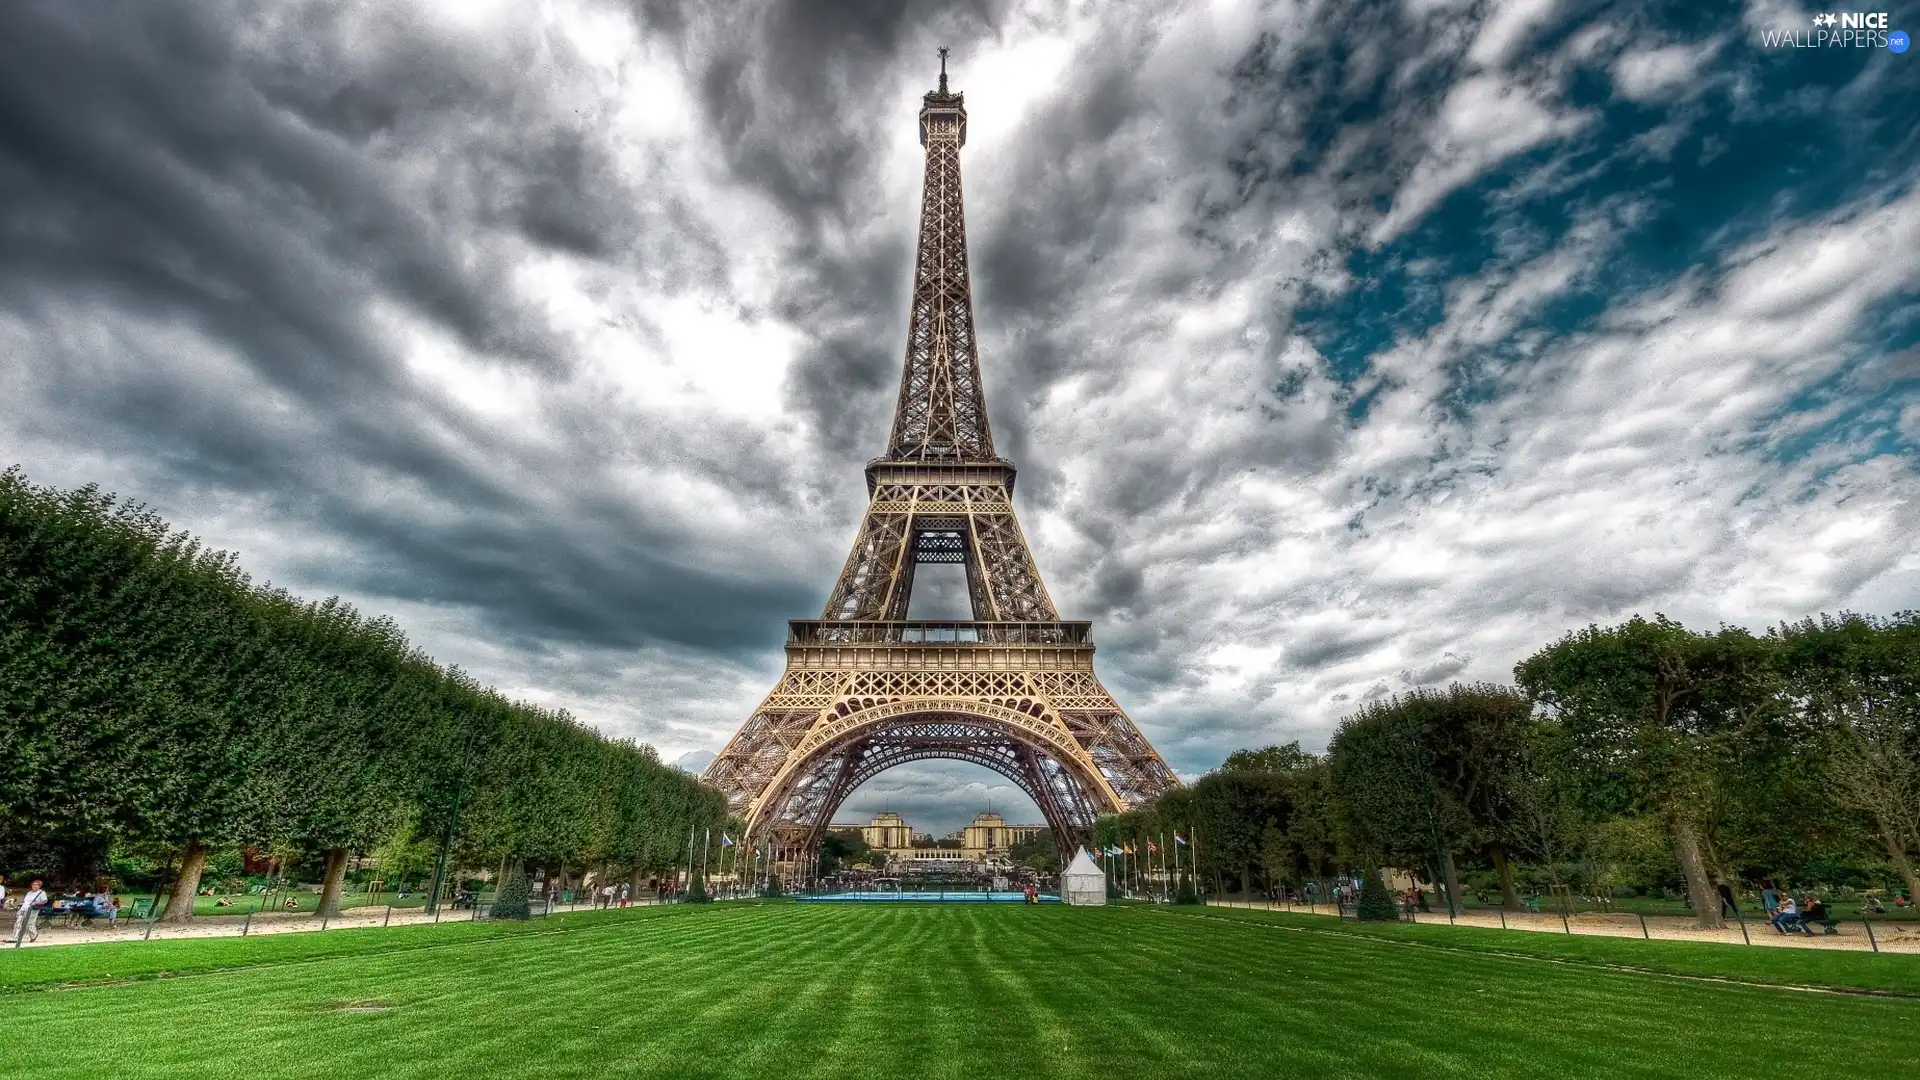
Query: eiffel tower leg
{"points": [[871, 584]]}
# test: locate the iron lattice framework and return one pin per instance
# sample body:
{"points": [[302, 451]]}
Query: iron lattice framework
{"points": [[865, 688]]}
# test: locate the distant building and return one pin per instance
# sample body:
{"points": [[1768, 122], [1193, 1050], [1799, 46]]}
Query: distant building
{"points": [[888, 832], [991, 835], [989, 838]]}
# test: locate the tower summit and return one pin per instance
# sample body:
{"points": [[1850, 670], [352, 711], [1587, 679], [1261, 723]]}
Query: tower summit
{"points": [[942, 413], [1012, 689]]}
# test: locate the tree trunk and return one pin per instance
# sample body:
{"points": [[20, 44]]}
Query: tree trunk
{"points": [[1903, 863], [1509, 896], [193, 862], [331, 882], [1706, 899], [1453, 882]]}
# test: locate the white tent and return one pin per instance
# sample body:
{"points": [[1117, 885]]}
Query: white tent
{"points": [[1083, 884]]}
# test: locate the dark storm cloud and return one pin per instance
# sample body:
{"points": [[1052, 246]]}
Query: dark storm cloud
{"points": [[804, 100], [154, 162]]}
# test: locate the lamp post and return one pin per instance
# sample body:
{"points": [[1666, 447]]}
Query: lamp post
{"points": [[446, 841]]}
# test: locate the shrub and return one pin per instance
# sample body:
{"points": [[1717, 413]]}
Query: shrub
{"points": [[1186, 895], [1376, 903], [511, 901]]}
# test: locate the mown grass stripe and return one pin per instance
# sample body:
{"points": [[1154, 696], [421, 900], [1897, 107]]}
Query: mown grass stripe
{"points": [[935, 992]]}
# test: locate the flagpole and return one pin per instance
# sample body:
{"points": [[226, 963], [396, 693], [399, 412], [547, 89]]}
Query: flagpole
{"points": [[1176, 861], [1196, 866], [706, 842], [690, 828]]}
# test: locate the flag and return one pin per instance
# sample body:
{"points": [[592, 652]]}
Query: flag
{"points": [[725, 840], [1127, 849], [1151, 849], [1178, 839]]}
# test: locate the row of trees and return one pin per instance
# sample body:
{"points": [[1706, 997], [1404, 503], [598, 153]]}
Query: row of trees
{"points": [[1640, 754], [153, 698]]}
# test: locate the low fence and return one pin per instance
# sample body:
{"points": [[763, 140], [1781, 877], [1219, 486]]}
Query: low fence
{"points": [[1858, 934], [56, 928]]}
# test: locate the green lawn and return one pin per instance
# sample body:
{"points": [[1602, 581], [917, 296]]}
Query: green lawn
{"points": [[796, 990]]}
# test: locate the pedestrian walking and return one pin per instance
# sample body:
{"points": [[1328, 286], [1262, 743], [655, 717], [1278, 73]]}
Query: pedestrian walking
{"points": [[26, 925]]}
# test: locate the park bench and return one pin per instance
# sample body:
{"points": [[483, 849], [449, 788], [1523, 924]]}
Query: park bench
{"points": [[1827, 926]]}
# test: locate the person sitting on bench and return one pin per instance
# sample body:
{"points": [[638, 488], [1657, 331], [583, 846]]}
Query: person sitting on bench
{"points": [[1788, 917], [1816, 915]]}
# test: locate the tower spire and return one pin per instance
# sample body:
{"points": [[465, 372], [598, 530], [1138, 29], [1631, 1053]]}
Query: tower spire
{"points": [[942, 411]]}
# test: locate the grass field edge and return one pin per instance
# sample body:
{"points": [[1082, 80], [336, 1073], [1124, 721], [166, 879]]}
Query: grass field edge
{"points": [[1544, 952]]}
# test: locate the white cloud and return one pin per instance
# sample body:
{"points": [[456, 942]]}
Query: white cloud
{"points": [[1484, 120], [1507, 29], [1660, 74]]}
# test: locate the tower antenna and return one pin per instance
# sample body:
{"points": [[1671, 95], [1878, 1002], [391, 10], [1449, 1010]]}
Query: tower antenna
{"points": [[943, 69]]}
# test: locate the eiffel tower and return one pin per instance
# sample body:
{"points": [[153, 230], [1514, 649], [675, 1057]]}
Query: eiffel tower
{"points": [[865, 688]]}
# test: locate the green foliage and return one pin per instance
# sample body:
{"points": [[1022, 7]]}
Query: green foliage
{"points": [[514, 900], [845, 847], [152, 695], [1633, 757], [1376, 902], [1039, 853]]}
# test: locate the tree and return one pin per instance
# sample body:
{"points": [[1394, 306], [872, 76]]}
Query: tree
{"points": [[1666, 711], [1860, 678], [843, 847], [1040, 854], [1376, 901], [153, 697], [1384, 764]]}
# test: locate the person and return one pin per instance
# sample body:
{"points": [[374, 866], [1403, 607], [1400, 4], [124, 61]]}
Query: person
{"points": [[1727, 906], [1788, 917], [1871, 905], [1816, 913], [3, 894], [1770, 900], [26, 925], [626, 895]]}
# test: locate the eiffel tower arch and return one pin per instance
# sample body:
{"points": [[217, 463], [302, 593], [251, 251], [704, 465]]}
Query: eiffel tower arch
{"points": [[1012, 689]]}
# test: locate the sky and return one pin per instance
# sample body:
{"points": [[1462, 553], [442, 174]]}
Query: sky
{"points": [[1344, 348]]}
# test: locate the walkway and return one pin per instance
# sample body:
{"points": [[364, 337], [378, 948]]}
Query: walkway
{"points": [[263, 922], [1884, 935]]}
